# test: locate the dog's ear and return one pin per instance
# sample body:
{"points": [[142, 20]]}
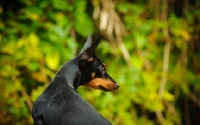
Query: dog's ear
{"points": [[88, 43], [92, 48], [89, 47], [88, 52]]}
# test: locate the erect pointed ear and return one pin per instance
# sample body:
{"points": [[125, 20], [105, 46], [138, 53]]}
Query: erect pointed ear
{"points": [[88, 43], [87, 56], [89, 47], [92, 48]]}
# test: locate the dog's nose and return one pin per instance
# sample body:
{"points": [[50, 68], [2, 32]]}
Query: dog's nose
{"points": [[117, 85]]}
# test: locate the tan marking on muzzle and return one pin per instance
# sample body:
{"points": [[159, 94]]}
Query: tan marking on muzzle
{"points": [[97, 82]]}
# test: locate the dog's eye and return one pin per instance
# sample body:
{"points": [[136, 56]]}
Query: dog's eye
{"points": [[103, 70]]}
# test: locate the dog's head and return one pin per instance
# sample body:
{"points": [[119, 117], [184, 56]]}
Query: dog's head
{"points": [[93, 71]]}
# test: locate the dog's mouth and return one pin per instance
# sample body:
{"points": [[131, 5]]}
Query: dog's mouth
{"points": [[103, 88]]}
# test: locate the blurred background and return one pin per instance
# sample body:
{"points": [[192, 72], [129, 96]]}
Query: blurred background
{"points": [[150, 47]]}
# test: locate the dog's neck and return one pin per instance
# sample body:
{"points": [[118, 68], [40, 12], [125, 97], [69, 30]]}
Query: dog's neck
{"points": [[70, 73]]}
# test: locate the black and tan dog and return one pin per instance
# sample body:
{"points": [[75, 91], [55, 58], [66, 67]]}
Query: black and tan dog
{"points": [[60, 104]]}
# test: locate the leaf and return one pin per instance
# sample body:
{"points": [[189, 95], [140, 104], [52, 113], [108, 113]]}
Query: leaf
{"points": [[33, 39], [168, 96], [140, 40], [185, 35], [137, 62], [39, 76], [154, 106], [33, 66], [34, 16], [60, 4], [36, 92], [52, 61]]}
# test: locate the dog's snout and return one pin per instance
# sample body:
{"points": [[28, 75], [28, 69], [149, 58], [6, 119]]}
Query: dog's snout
{"points": [[117, 85]]}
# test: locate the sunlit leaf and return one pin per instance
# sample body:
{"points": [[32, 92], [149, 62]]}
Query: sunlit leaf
{"points": [[52, 60], [168, 96], [33, 39], [137, 62], [185, 35], [37, 92]]}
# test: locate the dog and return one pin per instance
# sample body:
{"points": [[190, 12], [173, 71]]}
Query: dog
{"points": [[60, 104]]}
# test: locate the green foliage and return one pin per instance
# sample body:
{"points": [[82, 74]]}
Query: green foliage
{"points": [[38, 37]]}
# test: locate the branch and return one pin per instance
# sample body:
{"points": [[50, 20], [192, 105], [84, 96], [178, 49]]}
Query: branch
{"points": [[25, 95], [27, 99], [194, 99], [166, 56], [165, 67], [112, 27]]}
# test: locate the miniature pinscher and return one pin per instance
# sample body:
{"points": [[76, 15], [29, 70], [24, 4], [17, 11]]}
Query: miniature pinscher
{"points": [[60, 104]]}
